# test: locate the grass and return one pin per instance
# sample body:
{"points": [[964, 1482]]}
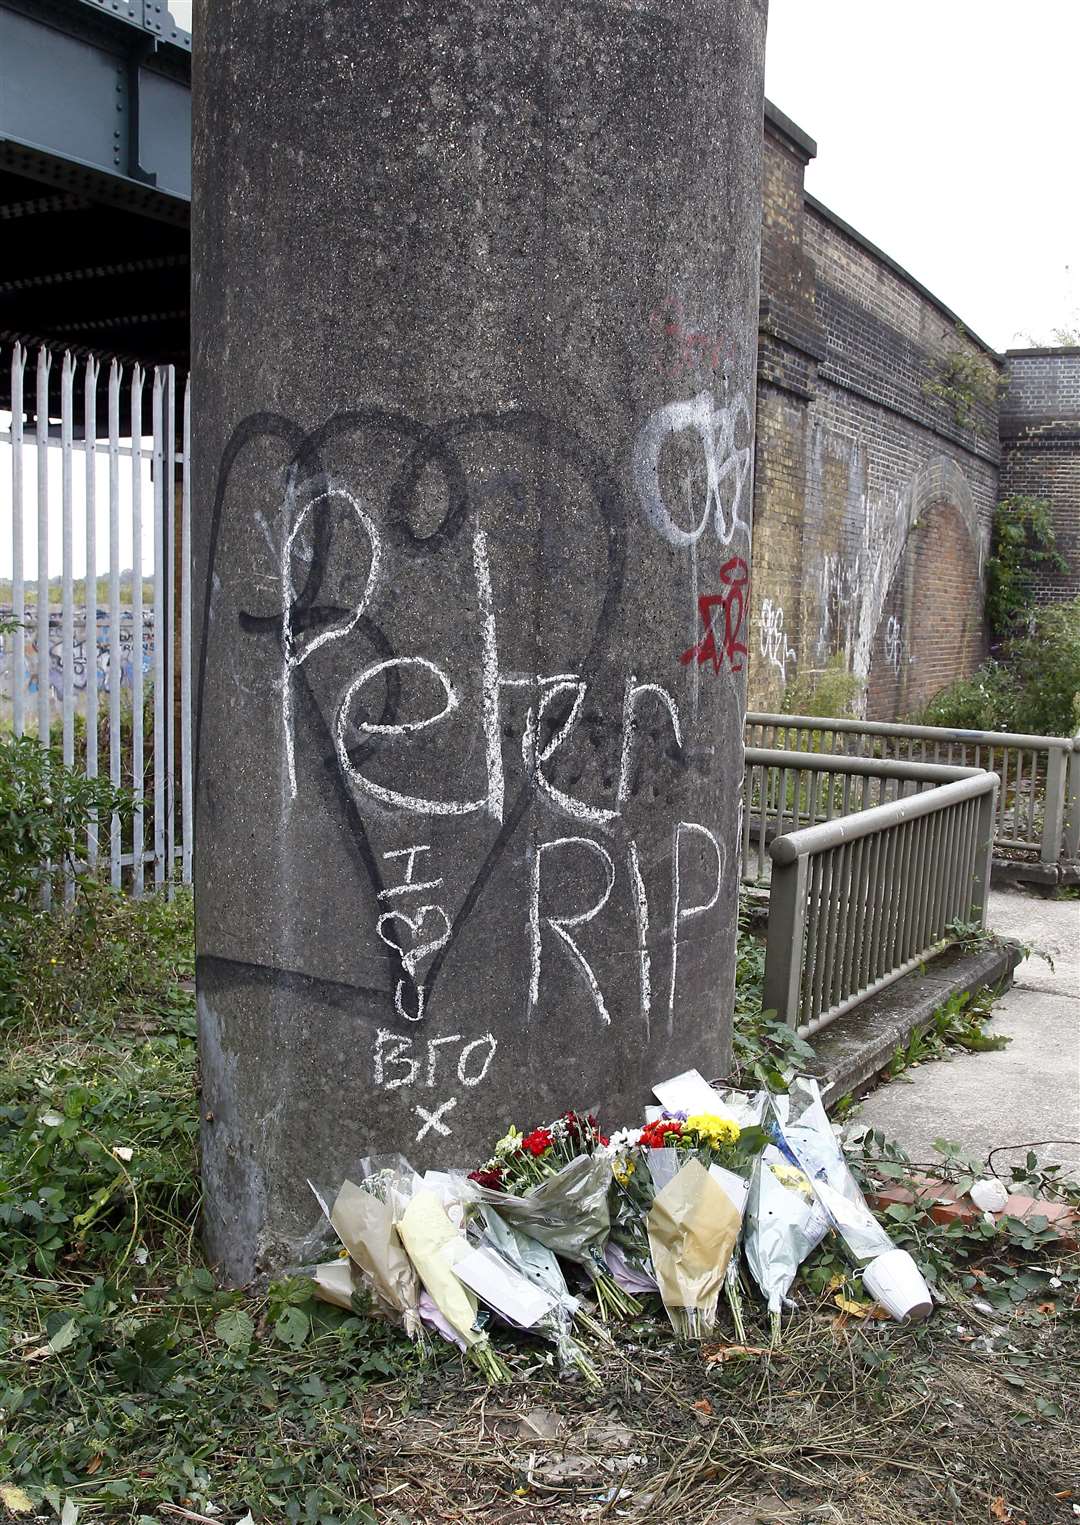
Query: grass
{"points": [[132, 1389]]}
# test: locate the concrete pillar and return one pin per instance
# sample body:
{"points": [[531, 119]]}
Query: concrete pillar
{"points": [[475, 309]]}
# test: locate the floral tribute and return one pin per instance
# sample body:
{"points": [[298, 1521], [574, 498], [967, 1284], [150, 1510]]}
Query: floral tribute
{"points": [[677, 1208], [553, 1183]]}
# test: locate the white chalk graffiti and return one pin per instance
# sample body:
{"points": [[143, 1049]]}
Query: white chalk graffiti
{"points": [[894, 644], [413, 953], [388, 713], [296, 654], [727, 466], [773, 641], [393, 1052], [561, 925], [681, 913]]}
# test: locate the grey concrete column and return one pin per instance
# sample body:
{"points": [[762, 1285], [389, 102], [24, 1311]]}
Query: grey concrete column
{"points": [[475, 308]]}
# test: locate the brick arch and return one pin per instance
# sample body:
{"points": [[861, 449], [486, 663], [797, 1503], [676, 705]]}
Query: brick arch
{"points": [[939, 481], [931, 628]]}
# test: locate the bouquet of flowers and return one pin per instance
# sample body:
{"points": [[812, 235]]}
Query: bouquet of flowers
{"points": [[438, 1251], [552, 1184], [630, 1195], [729, 1151], [688, 1213], [536, 1264], [784, 1224], [362, 1215]]}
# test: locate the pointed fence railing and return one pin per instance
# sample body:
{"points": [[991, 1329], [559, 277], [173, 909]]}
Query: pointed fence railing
{"points": [[93, 664]]}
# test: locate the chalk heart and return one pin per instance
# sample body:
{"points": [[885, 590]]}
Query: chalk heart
{"points": [[417, 952]]}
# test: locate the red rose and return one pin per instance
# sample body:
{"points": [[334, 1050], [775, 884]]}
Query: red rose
{"points": [[492, 1179], [537, 1141]]}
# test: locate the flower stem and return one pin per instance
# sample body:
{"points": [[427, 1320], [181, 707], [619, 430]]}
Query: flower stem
{"points": [[490, 1362]]}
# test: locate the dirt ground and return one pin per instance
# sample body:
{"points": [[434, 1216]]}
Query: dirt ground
{"points": [[851, 1422]]}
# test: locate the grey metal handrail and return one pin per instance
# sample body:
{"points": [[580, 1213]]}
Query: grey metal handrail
{"points": [[860, 900], [1036, 809], [787, 790]]}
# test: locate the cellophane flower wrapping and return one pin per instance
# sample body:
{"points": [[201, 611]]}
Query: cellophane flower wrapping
{"points": [[728, 1142], [552, 1183], [435, 1247], [337, 1282], [692, 1226], [538, 1265], [630, 1195], [566, 1211], [806, 1132], [362, 1214], [784, 1224]]}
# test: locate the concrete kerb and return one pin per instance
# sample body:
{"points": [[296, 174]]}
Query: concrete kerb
{"points": [[857, 1047], [1009, 871]]}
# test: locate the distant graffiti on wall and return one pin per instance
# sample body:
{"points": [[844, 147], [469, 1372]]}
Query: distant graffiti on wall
{"points": [[771, 637], [853, 583], [80, 652]]}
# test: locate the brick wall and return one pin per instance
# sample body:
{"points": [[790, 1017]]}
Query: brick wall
{"points": [[1040, 443], [872, 504]]}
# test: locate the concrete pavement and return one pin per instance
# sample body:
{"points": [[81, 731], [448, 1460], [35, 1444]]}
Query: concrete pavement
{"points": [[1027, 1092]]}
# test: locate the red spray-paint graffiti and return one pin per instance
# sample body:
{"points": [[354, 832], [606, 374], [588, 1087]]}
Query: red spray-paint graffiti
{"points": [[683, 349], [735, 580]]}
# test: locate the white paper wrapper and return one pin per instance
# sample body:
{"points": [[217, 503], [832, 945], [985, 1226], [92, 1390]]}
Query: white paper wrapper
{"points": [[690, 1092], [496, 1283], [808, 1133], [781, 1230]]}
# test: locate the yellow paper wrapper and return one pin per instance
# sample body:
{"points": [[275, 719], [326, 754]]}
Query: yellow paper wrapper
{"points": [[365, 1226], [335, 1282], [434, 1244], [693, 1226]]}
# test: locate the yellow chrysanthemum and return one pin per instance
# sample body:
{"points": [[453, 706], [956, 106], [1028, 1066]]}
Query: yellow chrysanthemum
{"points": [[622, 1170], [716, 1131], [794, 1179]]}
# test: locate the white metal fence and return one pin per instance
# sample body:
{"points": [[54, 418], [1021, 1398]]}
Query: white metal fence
{"points": [[99, 659]]}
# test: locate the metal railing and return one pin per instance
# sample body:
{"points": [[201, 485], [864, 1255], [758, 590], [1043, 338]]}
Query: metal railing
{"points": [[785, 790], [105, 679], [860, 900], [1037, 813]]}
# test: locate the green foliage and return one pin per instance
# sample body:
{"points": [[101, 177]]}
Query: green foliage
{"points": [[1024, 543], [959, 1023], [978, 703], [45, 810], [964, 380], [833, 692], [1006, 1262], [1035, 690], [763, 1048], [123, 1370], [1046, 665]]}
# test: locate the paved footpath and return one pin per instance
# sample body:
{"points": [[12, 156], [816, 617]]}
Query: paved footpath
{"points": [[1028, 1091]]}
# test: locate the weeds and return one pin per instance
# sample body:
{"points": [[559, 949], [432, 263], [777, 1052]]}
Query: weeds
{"points": [[762, 1047], [959, 1023], [132, 1389]]}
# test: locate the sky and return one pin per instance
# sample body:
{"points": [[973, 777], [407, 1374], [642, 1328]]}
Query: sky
{"points": [[947, 133]]}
